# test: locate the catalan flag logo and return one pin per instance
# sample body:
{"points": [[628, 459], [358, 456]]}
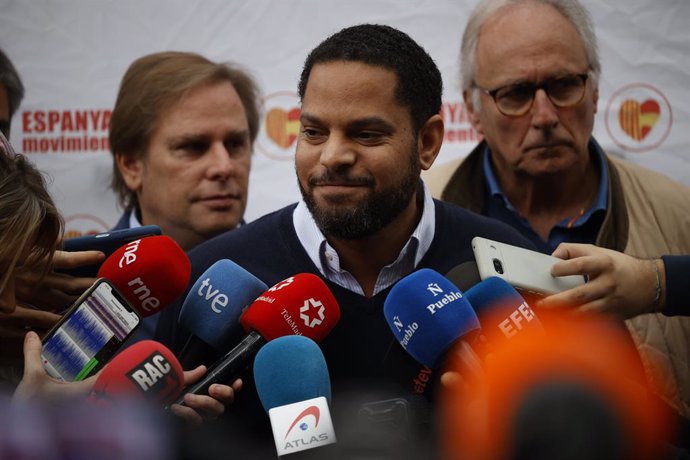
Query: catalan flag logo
{"points": [[637, 120]]}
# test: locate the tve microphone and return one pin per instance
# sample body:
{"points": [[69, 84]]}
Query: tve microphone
{"points": [[502, 312], [294, 387], [213, 306], [150, 272], [427, 314], [299, 305], [146, 370]]}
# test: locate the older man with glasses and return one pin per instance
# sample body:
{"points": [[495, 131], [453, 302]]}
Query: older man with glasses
{"points": [[529, 77]]}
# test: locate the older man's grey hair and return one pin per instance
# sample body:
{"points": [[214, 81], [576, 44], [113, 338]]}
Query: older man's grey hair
{"points": [[572, 10]]}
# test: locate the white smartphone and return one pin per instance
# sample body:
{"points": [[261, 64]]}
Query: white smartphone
{"points": [[523, 269], [89, 334]]}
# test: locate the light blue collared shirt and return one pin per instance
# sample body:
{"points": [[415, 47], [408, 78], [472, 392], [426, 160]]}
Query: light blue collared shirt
{"points": [[327, 260]]}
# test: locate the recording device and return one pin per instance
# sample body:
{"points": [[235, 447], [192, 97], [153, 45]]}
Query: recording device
{"points": [[107, 243], [89, 334], [502, 312], [427, 314], [212, 309], [524, 269], [299, 305], [146, 371], [294, 387], [150, 272]]}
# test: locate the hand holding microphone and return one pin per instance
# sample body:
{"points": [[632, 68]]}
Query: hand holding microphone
{"points": [[299, 305]]}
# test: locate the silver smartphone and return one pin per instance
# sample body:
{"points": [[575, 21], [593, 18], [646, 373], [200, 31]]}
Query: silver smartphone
{"points": [[523, 269], [89, 334]]}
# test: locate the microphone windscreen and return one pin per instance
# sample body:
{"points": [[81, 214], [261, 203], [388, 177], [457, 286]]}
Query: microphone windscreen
{"points": [[290, 369], [150, 272], [465, 275], [215, 302], [427, 313], [299, 305], [502, 312], [146, 370]]}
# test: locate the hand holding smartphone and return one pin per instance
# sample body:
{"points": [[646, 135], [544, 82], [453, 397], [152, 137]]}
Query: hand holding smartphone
{"points": [[89, 334], [107, 242], [524, 269]]}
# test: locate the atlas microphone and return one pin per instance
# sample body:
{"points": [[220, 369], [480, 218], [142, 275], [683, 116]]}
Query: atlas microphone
{"points": [[212, 309], [150, 272], [299, 305], [294, 387], [145, 371]]}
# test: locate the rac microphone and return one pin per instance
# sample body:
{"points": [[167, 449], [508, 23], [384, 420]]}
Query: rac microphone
{"points": [[212, 309], [299, 305], [294, 387], [150, 272], [146, 371], [427, 314]]}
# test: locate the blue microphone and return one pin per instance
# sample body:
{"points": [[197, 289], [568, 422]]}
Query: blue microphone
{"points": [[427, 314], [293, 385], [502, 312], [212, 309]]}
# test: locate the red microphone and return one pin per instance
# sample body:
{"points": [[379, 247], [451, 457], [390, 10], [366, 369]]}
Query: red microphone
{"points": [[150, 272], [145, 371], [299, 305]]}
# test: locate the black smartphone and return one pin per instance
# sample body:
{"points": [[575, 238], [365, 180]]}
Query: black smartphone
{"points": [[107, 242], [89, 334]]}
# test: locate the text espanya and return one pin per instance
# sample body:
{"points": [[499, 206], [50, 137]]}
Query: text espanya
{"points": [[47, 121]]}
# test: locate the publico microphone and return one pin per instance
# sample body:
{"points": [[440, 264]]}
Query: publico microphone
{"points": [[294, 387], [299, 305], [146, 371], [150, 272], [213, 307]]}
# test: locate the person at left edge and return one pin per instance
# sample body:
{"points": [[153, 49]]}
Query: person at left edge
{"points": [[369, 124], [181, 135]]}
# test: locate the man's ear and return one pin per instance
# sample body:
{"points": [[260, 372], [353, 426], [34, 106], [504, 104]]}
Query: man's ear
{"points": [[132, 170], [471, 111], [429, 141]]}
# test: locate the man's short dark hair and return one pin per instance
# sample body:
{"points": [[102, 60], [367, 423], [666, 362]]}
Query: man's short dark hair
{"points": [[419, 84]]}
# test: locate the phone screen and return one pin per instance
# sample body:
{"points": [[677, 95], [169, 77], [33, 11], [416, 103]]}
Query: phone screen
{"points": [[89, 335]]}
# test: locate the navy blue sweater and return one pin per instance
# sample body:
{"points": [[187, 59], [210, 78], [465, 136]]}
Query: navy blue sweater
{"points": [[360, 351]]}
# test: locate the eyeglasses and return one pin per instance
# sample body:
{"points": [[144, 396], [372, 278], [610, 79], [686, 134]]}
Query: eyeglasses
{"points": [[516, 100]]}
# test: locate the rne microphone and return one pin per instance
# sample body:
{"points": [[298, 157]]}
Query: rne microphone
{"points": [[212, 308], [150, 272], [292, 381], [427, 314], [299, 305], [146, 371]]}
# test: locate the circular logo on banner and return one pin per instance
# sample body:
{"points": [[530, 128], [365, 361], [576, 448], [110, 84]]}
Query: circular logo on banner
{"points": [[280, 127], [638, 117], [84, 224]]}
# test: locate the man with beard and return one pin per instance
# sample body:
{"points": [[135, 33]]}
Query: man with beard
{"points": [[370, 123]]}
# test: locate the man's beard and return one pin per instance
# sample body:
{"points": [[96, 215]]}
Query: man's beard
{"points": [[378, 209]]}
